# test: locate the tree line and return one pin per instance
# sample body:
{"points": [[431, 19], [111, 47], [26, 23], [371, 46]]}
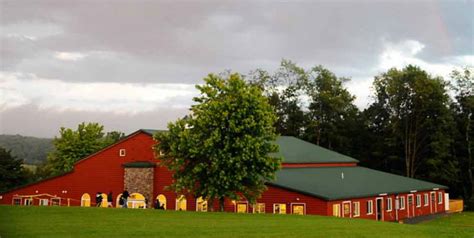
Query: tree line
{"points": [[412, 127]]}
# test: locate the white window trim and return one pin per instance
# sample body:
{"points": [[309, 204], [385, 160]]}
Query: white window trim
{"points": [[358, 206], [338, 209], [242, 202], [389, 205], [203, 201], [426, 199], [279, 211], [440, 197], [28, 199], [418, 200], [371, 202], [350, 208], [402, 203], [298, 203], [176, 203], [122, 152], [254, 207], [42, 200]]}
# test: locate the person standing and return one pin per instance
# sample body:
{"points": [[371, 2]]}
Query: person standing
{"points": [[110, 199], [98, 199], [125, 196]]}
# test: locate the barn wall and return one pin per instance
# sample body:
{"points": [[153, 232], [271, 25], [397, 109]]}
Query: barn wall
{"points": [[395, 214], [100, 172], [103, 172]]}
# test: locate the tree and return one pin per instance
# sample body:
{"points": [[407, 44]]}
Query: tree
{"points": [[331, 108], [285, 89], [463, 107], [11, 172], [415, 105], [223, 148], [73, 145], [312, 105]]}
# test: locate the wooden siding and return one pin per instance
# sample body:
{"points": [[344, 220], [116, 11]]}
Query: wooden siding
{"points": [[103, 172]]}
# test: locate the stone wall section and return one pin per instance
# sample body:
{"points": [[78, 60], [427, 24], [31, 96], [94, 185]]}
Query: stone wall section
{"points": [[140, 180]]}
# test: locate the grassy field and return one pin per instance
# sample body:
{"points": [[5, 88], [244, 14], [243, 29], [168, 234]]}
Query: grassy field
{"points": [[103, 222]]}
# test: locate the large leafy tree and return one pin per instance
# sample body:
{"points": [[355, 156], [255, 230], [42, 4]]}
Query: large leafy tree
{"points": [[311, 104], [331, 109], [415, 106], [285, 90], [463, 106], [12, 173], [223, 148], [73, 145]]}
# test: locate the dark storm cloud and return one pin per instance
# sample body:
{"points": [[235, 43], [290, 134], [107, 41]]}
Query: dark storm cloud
{"points": [[182, 41]]}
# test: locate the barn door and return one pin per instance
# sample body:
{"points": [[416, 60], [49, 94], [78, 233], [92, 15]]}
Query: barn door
{"points": [[379, 209], [346, 209]]}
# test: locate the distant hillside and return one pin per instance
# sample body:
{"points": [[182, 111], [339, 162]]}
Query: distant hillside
{"points": [[32, 150]]}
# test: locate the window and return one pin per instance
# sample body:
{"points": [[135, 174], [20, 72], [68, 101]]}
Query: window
{"points": [[336, 210], [242, 207], [279, 208], [55, 201], [356, 206], [440, 197], [28, 202], [85, 200], [389, 204], [259, 208], [201, 205], [17, 201], [426, 199], [43, 202], [298, 209], [418, 200], [370, 205], [122, 152], [402, 203], [181, 204], [160, 202]]}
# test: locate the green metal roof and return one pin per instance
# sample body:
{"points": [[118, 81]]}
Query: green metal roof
{"points": [[139, 164], [294, 150], [334, 183]]}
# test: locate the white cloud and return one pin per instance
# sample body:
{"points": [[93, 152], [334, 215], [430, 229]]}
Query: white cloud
{"points": [[30, 30], [406, 52], [69, 56], [21, 89]]}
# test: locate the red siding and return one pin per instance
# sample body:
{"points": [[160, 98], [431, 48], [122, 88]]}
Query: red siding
{"points": [[103, 172]]}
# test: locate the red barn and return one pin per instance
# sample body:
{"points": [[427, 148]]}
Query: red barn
{"points": [[313, 180]]}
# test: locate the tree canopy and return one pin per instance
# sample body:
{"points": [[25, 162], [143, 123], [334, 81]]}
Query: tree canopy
{"points": [[223, 148], [11, 172], [73, 145]]}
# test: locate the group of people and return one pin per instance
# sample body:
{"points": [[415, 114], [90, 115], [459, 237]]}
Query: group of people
{"points": [[122, 200]]}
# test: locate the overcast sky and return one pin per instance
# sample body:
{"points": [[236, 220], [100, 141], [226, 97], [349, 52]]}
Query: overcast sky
{"points": [[134, 64]]}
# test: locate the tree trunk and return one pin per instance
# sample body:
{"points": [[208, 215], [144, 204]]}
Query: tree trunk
{"points": [[221, 204], [210, 204]]}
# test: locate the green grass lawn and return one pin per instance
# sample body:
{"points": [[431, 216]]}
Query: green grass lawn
{"points": [[103, 222]]}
